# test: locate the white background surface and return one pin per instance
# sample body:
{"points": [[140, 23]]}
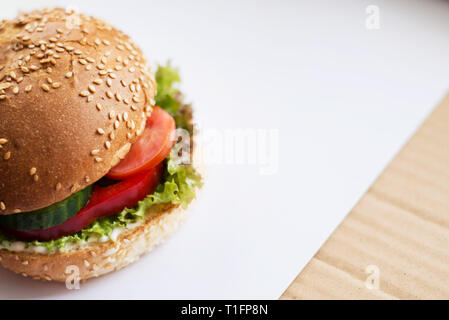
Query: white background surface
{"points": [[344, 98]]}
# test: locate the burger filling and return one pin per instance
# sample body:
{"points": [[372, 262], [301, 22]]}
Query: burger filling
{"points": [[150, 175]]}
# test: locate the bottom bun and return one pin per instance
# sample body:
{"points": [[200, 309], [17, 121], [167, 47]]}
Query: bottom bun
{"points": [[100, 257]]}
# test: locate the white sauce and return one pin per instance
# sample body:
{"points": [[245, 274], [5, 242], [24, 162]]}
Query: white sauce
{"points": [[19, 246]]}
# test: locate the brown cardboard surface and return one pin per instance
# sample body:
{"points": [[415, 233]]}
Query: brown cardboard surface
{"points": [[398, 233]]}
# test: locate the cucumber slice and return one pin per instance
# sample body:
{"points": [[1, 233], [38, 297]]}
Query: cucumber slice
{"points": [[50, 216]]}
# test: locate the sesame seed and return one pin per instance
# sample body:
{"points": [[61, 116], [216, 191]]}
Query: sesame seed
{"points": [[109, 94], [119, 117], [106, 42], [49, 80], [25, 69], [15, 90], [69, 74], [120, 47], [45, 87], [135, 99], [33, 171], [100, 131], [84, 93], [88, 67], [123, 82], [111, 114], [36, 177], [133, 108], [98, 159], [107, 53], [82, 61], [118, 97], [132, 69], [74, 188], [129, 135], [97, 42], [86, 263], [58, 186], [100, 66], [125, 116], [59, 30], [87, 179], [92, 88], [98, 81], [103, 73], [107, 145], [118, 68], [56, 85], [94, 152], [109, 82], [126, 101], [116, 124], [2, 205], [5, 85], [111, 135], [25, 263], [28, 88], [91, 60], [17, 211], [2, 97], [98, 106], [112, 76], [78, 52]]}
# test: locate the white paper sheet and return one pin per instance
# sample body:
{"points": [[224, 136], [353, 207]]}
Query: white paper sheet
{"points": [[342, 98]]}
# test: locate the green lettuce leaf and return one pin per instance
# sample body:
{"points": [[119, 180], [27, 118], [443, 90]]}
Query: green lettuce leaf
{"points": [[167, 79], [179, 182]]}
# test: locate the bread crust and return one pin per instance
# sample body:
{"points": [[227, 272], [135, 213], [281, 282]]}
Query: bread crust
{"points": [[103, 257], [74, 96]]}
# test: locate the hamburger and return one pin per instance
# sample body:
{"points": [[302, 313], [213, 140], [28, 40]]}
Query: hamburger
{"points": [[91, 173]]}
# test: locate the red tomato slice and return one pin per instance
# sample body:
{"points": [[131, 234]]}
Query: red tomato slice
{"points": [[151, 149], [103, 202]]}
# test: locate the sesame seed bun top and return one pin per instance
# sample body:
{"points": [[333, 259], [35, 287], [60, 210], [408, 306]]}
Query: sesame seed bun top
{"points": [[74, 96]]}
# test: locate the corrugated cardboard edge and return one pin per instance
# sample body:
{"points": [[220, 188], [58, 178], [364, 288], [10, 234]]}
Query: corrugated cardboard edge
{"points": [[394, 244]]}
